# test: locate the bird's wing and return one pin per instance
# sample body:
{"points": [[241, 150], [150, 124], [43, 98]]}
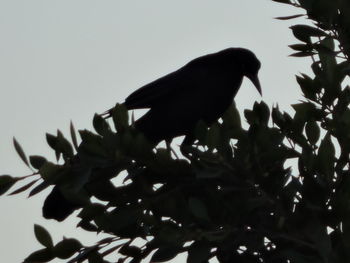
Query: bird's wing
{"points": [[170, 86], [155, 92]]}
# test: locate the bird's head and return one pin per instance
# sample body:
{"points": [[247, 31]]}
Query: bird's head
{"points": [[247, 62], [250, 66]]}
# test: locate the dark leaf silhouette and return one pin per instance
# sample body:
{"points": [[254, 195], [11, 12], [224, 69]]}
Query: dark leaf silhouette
{"points": [[43, 236], [20, 152]]}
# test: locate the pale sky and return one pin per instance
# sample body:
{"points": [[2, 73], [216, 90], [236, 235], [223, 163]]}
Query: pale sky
{"points": [[65, 60]]}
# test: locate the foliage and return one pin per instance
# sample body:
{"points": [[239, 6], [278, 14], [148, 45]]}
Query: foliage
{"points": [[232, 197]]}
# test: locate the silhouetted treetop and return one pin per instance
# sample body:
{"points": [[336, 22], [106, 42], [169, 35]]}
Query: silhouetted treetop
{"points": [[232, 196]]}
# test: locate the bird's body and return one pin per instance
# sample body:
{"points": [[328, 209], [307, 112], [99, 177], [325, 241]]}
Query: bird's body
{"points": [[203, 90]]}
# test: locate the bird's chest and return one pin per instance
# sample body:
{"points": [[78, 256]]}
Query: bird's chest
{"points": [[219, 92], [218, 95]]}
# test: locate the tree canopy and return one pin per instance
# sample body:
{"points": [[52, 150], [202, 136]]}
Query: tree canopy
{"points": [[232, 198]]}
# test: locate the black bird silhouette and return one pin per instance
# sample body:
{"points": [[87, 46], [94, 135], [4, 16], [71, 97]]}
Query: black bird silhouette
{"points": [[203, 89]]}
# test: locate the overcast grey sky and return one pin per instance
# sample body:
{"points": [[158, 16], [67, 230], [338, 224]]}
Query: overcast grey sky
{"points": [[65, 60]]}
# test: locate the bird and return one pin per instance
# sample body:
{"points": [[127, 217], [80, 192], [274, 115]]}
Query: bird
{"points": [[201, 90]]}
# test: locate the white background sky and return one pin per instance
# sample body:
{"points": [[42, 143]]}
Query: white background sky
{"points": [[65, 60]]}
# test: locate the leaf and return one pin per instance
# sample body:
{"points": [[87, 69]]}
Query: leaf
{"points": [[73, 136], [288, 17], [316, 68], [325, 49], [301, 47], [49, 172], [64, 146], [60, 144], [262, 111], [305, 111], [92, 143], [304, 32], [277, 117], [88, 226], [52, 142], [312, 131], [307, 86], [6, 182], [326, 157], [120, 117], [91, 211], [20, 151], [250, 117], [114, 248], [23, 188], [164, 254], [94, 257], [198, 252], [283, 1], [302, 54], [67, 248], [43, 236], [327, 150], [130, 251], [198, 208], [37, 161], [42, 255], [38, 188], [100, 124]]}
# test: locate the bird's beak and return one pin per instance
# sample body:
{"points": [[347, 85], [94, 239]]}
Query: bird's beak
{"points": [[256, 82]]}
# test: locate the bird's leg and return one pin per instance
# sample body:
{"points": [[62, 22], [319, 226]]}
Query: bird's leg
{"points": [[170, 149]]}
